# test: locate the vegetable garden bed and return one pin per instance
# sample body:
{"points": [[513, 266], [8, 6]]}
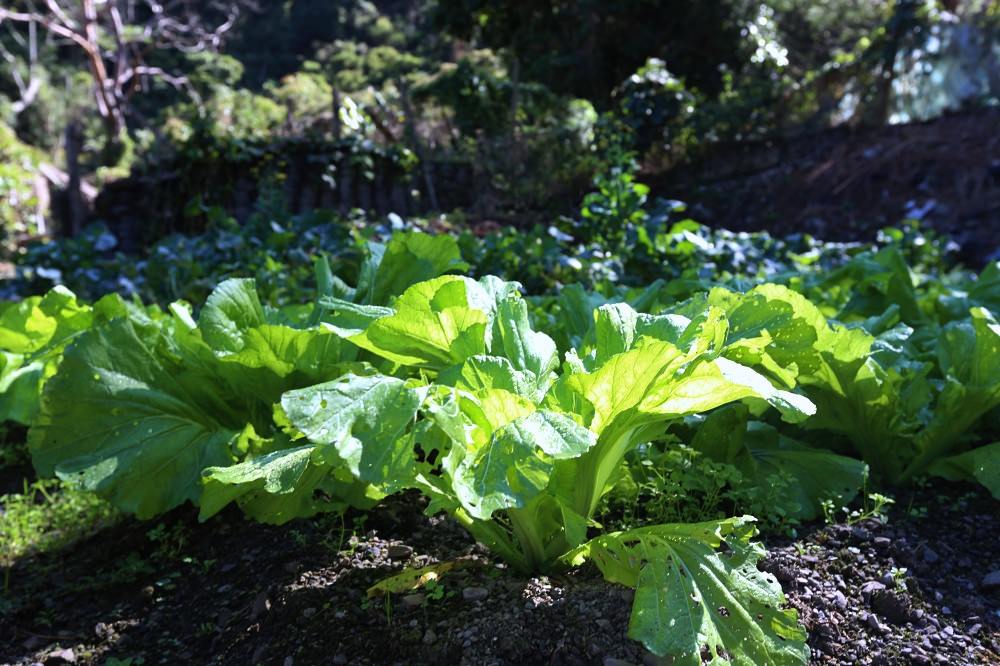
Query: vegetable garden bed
{"points": [[232, 591], [625, 431]]}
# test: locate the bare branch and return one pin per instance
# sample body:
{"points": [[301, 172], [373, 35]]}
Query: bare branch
{"points": [[47, 23], [61, 15], [179, 82], [179, 25], [27, 96]]}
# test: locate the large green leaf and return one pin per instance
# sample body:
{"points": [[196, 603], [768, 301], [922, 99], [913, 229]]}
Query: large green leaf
{"points": [[655, 381], [985, 292], [714, 383], [969, 358], [124, 422], [816, 474], [37, 322], [347, 318], [20, 385], [259, 360], [697, 599], [488, 372], [615, 390], [231, 310], [575, 315], [864, 387], [33, 334], [981, 464], [760, 451], [869, 284], [363, 419], [274, 359], [412, 257], [282, 485], [517, 462], [626, 398], [436, 324], [513, 338]]}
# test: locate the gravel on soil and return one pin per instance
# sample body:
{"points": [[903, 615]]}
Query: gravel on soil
{"points": [[923, 588]]}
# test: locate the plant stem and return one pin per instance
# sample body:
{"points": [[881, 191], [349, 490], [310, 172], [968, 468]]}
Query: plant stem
{"points": [[493, 536]]}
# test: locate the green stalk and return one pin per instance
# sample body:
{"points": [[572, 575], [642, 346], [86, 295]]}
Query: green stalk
{"points": [[595, 470], [531, 542], [495, 538]]}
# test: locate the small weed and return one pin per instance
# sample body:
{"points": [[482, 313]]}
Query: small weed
{"points": [[204, 567], [368, 603], [45, 618], [132, 568], [899, 577], [170, 541], [682, 485], [335, 544], [435, 590], [205, 629], [873, 506], [47, 515]]}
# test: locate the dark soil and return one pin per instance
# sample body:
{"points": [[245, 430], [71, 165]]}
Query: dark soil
{"points": [[847, 183], [232, 592]]}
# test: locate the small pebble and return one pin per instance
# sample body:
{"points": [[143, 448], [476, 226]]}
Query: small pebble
{"points": [[475, 593], [875, 624], [415, 600], [991, 581], [261, 605], [399, 552], [65, 656]]}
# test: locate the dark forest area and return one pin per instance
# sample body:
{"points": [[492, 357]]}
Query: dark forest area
{"points": [[499, 332]]}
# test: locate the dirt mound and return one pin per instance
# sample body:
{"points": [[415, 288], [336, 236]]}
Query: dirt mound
{"points": [[846, 183]]}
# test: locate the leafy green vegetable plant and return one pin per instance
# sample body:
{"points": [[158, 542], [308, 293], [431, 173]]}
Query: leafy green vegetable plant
{"points": [[521, 418], [149, 394], [522, 453]]}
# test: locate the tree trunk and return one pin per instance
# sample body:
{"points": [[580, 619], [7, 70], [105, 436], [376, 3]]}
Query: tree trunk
{"points": [[417, 146], [880, 110], [515, 108], [74, 197], [337, 128]]}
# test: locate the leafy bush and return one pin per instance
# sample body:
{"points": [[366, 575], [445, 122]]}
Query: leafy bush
{"points": [[18, 199]]}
